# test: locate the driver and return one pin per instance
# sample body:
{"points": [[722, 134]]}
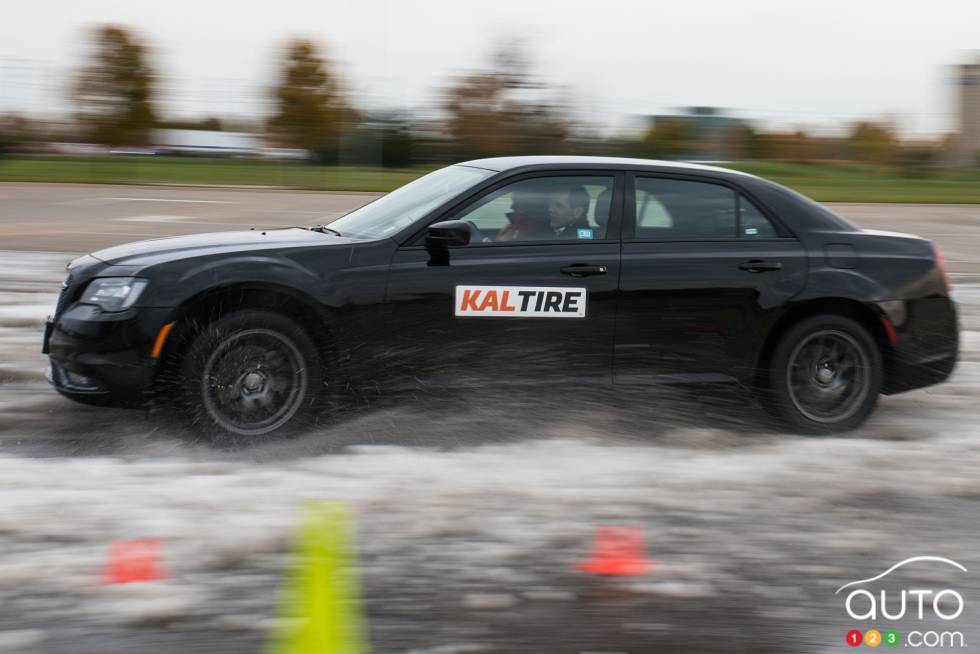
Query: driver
{"points": [[528, 217]]}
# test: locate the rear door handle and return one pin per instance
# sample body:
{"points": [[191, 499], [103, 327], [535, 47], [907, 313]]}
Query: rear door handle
{"points": [[583, 270], [758, 265]]}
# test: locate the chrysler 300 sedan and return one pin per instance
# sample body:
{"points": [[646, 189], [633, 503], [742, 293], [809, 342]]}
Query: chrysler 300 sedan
{"points": [[523, 270]]}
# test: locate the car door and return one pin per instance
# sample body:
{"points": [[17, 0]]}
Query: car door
{"points": [[521, 302], [704, 272]]}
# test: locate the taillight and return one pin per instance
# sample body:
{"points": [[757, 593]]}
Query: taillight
{"points": [[890, 333], [943, 267]]}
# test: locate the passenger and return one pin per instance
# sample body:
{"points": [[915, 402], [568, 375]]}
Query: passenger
{"points": [[568, 212], [528, 218]]}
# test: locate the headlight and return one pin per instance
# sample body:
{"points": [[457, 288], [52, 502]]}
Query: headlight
{"points": [[113, 293]]}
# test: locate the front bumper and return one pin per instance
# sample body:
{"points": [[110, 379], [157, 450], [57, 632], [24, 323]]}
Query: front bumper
{"points": [[103, 358]]}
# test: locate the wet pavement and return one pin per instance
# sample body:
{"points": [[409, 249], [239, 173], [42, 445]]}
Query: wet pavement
{"points": [[470, 523]]}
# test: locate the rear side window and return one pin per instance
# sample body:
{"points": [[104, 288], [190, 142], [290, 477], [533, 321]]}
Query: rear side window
{"points": [[753, 223], [673, 209]]}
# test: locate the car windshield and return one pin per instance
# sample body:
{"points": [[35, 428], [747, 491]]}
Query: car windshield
{"points": [[402, 207]]}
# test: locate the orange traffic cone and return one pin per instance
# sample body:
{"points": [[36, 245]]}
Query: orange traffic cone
{"points": [[134, 560], [617, 551]]}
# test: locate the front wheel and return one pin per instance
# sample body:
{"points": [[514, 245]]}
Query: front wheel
{"points": [[824, 376], [250, 375]]}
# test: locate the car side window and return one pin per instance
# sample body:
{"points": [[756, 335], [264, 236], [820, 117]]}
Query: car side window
{"points": [[674, 209], [753, 223], [572, 207]]}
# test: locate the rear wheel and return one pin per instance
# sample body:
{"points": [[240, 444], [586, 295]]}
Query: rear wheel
{"points": [[824, 375], [250, 375]]}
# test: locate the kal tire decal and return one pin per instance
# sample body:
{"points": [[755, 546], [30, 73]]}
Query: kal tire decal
{"points": [[520, 302]]}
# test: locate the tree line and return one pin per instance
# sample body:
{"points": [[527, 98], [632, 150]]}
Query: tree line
{"points": [[501, 110]]}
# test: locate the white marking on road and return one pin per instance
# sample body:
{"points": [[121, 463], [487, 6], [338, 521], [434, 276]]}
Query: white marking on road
{"points": [[172, 200], [120, 234], [154, 219], [186, 220], [83, 201], [317, 212]]}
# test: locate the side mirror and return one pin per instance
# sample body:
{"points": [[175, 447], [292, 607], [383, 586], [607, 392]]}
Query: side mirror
{"points": [[449, 233]]}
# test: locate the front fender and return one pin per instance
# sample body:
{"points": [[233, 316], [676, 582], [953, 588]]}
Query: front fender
{"points": [[173, 285], [243, 268]]}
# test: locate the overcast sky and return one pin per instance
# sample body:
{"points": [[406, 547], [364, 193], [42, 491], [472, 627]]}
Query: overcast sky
{"points": [[785, 62]]}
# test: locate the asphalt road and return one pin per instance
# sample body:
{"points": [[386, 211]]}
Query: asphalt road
{"points": [[83, 218]]}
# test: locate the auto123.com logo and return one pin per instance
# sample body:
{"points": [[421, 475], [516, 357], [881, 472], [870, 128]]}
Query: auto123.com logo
{"points": [[865, 601]]}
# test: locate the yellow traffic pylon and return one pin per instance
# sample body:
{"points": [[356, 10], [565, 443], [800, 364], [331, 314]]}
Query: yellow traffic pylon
{"points": [[321, 605]]}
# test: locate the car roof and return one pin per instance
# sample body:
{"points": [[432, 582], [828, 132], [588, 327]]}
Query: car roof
{"points": [[501, 164]]}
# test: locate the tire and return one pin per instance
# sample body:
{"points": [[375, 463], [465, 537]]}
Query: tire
{"points": [[824, 376], [249, 376]]}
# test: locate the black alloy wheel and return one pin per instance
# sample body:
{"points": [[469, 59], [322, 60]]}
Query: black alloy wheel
{"points": [[824, 376], [251, 374]]}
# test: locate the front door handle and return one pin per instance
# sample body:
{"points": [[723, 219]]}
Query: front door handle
{"points": [[583, 270], [758, 266]]}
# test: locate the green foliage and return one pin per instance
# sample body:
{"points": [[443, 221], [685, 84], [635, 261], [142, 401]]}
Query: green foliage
{"points": [[669, 138], [211, 124], [494, 113], [748, 143], [114, 91], [311, 110], [12, 132], [397, 146], [797, 147], [379, 141], [918, 160], [479, 121], [873, 142]]}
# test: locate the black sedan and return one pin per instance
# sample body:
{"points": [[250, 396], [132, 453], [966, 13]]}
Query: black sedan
{"points": [[524, 270]]}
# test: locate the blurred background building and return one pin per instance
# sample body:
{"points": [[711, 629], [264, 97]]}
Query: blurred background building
{"points": [[966, 148]]}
